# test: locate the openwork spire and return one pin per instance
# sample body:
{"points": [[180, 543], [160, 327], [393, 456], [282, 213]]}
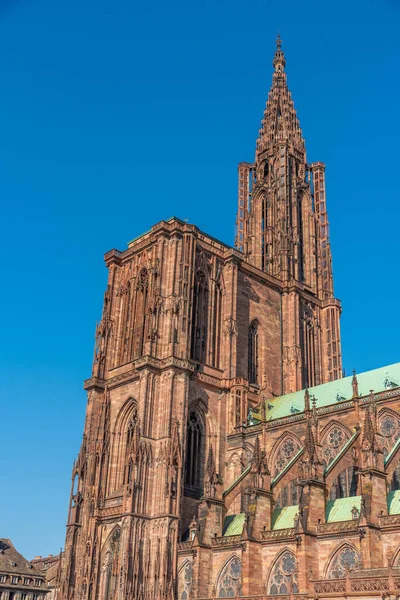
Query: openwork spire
{"points": [[280, 122]]}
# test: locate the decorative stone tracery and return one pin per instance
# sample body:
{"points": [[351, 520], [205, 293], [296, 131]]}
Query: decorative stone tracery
{"points": [[230, 580], [333, 440], [283, 578], [286, 449], [345, 559], [389, 427], [185, 580]]}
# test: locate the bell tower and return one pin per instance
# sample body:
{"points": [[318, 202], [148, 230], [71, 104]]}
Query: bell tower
{"points": [[283, 229]]}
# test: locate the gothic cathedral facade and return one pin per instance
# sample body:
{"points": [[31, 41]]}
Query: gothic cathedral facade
{"points": [[223, 453]]}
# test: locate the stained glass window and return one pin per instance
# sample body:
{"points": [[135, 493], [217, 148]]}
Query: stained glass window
{"points": [[185, 581], [389, 427], [290, 494], [253, 352], [333, 441], [230, 580], [285, 452], [345, 484], [346, 558], [283, 578], [194, 452]]}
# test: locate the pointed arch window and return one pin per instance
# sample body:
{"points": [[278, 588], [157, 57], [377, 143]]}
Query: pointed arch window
{"points": [[286, 450], [345, 484], [110, 566], [346, 557], [290, 494], [199, 317], [253, 353], [283, 578], [333, 441], [194, 452], [130, 433], [185, 581], [389, 426], [230, 580]]}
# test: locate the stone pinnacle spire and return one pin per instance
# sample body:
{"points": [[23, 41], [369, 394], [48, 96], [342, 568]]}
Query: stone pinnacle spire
{"points": [[279, 61], [280, 122]]}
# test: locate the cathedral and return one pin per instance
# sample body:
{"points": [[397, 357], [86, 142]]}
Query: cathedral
{"points": [[223, 454]]}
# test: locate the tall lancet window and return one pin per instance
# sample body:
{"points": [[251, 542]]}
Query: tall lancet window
{"points": [[110, 567], [200, 317], [194, 452], [253, 352], [130, 432]]}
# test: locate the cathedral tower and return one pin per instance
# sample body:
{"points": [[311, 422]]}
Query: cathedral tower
{"points": [[194, 335], [283, 229]]}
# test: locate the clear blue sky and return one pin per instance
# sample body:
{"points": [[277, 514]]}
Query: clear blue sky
{"points": [[114, 115]]}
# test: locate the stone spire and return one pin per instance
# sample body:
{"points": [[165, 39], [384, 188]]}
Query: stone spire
{"points": [[283, 229], [280, 122]]}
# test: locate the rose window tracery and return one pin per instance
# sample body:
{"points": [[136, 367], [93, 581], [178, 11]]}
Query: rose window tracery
{"points": [[230, 581], [287, 449], [283, 579], [389, 428], [332, 443], [346, 559]]}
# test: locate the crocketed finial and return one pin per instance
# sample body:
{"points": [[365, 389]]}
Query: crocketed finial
{"points": [[279, 61]]}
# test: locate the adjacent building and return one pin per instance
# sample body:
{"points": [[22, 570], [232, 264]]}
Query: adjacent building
{"points": [[19, 579], [223, 453]]}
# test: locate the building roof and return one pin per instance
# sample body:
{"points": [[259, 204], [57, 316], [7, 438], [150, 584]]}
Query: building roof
{"points": [[394, 502], [332, 392], [283, 518], [11, 561], [340, 509], [233, 524]]}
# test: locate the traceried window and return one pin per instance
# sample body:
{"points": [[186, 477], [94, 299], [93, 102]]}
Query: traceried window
{"points": [[238, 408], [345, 484], [290, 494], [332, 442], [389, 427], [253, 352], [109, 571], [346, 558], [194, 452], [283, 578], [230, 580], [285, 452], [185, 581], [130, 431], [199, 317]]}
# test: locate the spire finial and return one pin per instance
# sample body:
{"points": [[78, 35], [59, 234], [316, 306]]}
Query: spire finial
{"points": [[279, 61]]}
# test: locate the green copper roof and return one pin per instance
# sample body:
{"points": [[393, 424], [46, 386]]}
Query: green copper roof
{"points": [[394, 502], [283, 518], [233, 524], [340, 509], [332, 392]]}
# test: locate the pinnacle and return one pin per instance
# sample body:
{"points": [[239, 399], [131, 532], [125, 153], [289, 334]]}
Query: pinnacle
{"points": [[280, 122]]}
